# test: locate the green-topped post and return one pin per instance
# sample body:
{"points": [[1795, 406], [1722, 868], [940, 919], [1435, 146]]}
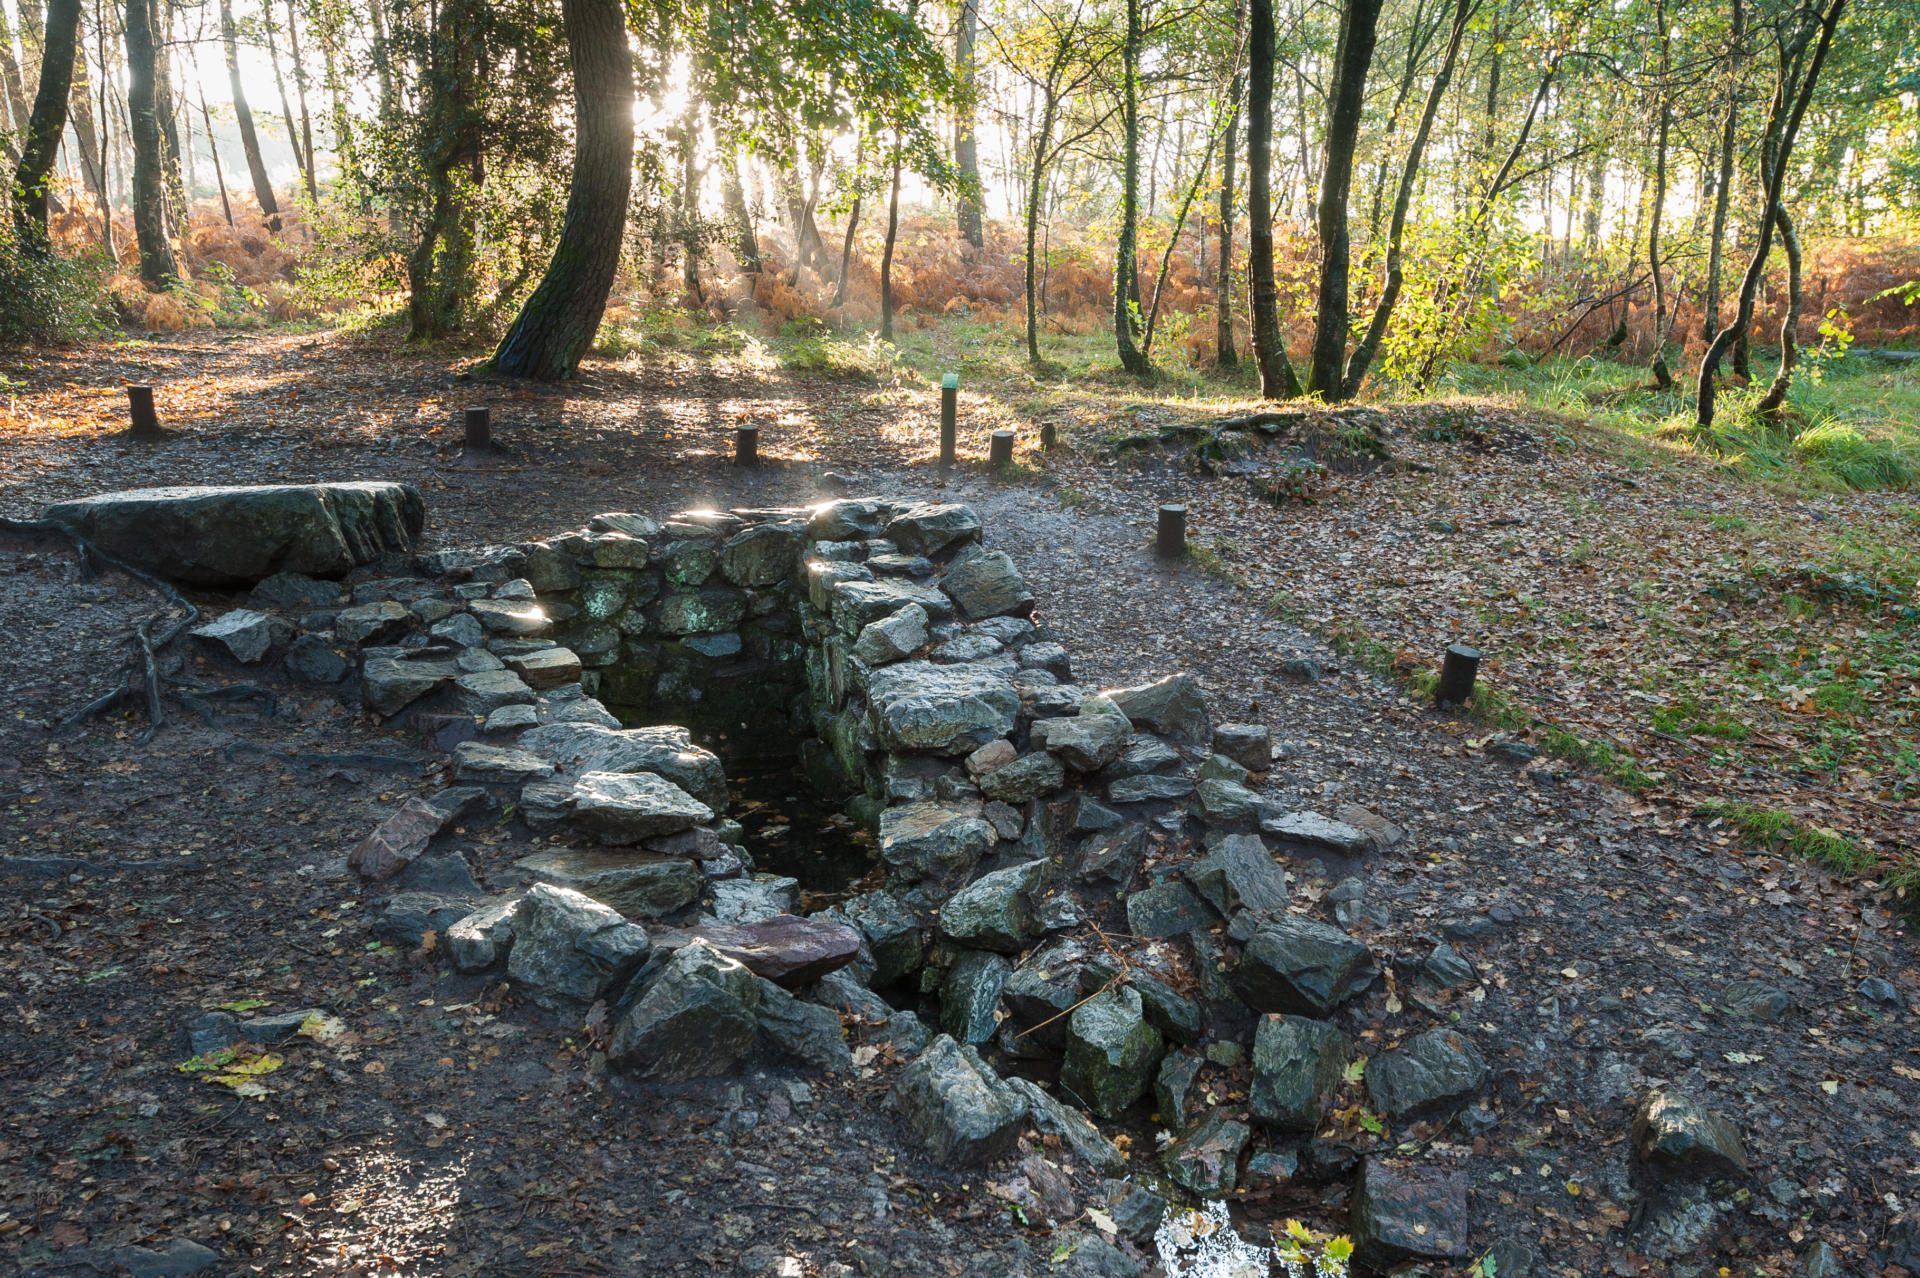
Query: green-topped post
{"points": [[949, 418]]}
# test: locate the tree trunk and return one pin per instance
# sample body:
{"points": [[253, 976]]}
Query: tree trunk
{"points": [[157, 266], [243, 119], [1369, 346], [300, 88], [1596, 199], [1729, 138], [1351, 60], [1036, 188], [44, 127], [160, 14], [1126, 282], [746, 246], [853, 224], [14, 88], [1774, 176], [558, 323], [965, 149], [1662, 377], [219, 175], [106, 135], [1776, 395], [886, 255], [1269, 343], [1225, 356], [84, 129], [690, 201], [286, 103]]}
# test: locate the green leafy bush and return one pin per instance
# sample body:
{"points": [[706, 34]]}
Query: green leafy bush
{"points": [[51, 299]]}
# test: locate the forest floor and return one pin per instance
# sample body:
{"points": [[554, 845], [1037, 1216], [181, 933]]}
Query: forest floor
{"points": [[1719, 676]]}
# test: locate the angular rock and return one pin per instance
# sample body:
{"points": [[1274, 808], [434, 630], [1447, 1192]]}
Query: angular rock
{"points": [[1037, 997], [1172, 707], [988, 586], [1178, 1070], [666, 751], [1168, 908], [1226, 803], [894, 637], [1088, 742], [1299, 965], [1297, 1066], [932, 842], [848, 520], [636, 886], [997, 753], [789, 951], [1679, 1137], [1136, 1210], [510, 617], [1446, 968], [918, 706], [173, 1258], [1381, 833], [1112, 857], [1311, 830], [501, 765], [628, 807], [1050, 657], [1111, 1052], [927, 528], [1401, 1214], [808, 1032], [482, 692], [1027, 777], [995, 911], [396, 841], [1149, 789], [1054, 1118], [1248, 744], [1240, 874], [957, 1107], [1143, 754], [547, 668], [708, 611], [461, 628], [762, 556], [311, 660], [1206, 1161], [373, 623], [483, 937], [695, 1017], [971, 648], [1756, 1000], [857, 604], [753, 900], [970, 993], [892, 934], [239, 536], [293, 592], [1430, 1074], [568, 949], [245, 634]]}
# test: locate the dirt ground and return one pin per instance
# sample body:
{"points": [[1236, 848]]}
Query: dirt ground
{"points": [[448, 1130]]}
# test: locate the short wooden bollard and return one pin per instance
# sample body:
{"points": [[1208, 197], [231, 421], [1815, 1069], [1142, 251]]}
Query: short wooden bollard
{"points": [[479, 423], [144, 421], [1000, 449], [949, 418], [1458, 669], [1049, 436], [746, 446], [1170, 540]]}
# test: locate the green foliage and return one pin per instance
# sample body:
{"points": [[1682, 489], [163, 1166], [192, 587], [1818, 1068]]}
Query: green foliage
{"points": [[1787, 833], [47, 299], [870, 361], [1311, 1257]]}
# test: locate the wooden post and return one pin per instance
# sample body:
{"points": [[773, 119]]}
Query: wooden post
{"points": [[145, 423], [746, 446], [1048, 436], [1458, 669], [1000, 449], [479, 430], [1170, 542], [949, 418]]}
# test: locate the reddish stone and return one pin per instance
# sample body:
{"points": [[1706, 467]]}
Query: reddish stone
{"points": [[397, 840], [787, 950]]}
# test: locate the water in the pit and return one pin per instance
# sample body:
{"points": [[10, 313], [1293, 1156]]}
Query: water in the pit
{"points": [[790, 831]]}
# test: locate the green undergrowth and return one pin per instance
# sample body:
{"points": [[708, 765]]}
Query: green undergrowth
{"points": [[1783, 832]]}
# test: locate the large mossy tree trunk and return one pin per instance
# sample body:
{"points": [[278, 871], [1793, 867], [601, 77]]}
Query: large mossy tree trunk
{"points": [[157, 266], [44, 126], [1353, 56], [558, 323], [1277, 380], [886, 251], [243, 119], [966, 156]]}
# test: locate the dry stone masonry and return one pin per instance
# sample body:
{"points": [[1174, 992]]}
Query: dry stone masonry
{"points": [[1080, 898]]}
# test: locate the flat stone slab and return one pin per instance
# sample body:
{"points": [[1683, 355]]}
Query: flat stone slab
{"points": [[921, 707], [240, 536], [787, 950], [1316, 831], [637, 886], [626, 807]]}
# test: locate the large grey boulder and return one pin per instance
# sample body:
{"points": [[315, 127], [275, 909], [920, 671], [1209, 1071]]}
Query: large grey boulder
{"points": [[1240, 874], [695, 1018], [668, 751], [636, 886], [483, 937], [970, 994], [239, 536], [1028, 777], [1111, 1051], [856, 604], [390, 684], [892, 934], [1302, 966], [995, 911], [245, 634], [1075, 1130], [957, 1107], [894, 637], [1206, 1161], [988, 586], [808, 1032], [568, 948], [921, 707], [1429, 1074], [1404, 1213], [1310, 830], [1085, 742], [927, 528], [1677, 1136], [1297, 1065], [786, 949], [628, 807], [1172, 707], [764, 555]]}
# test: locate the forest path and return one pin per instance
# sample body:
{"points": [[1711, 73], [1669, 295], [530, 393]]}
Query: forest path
{"points": [[1609, 936]]}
